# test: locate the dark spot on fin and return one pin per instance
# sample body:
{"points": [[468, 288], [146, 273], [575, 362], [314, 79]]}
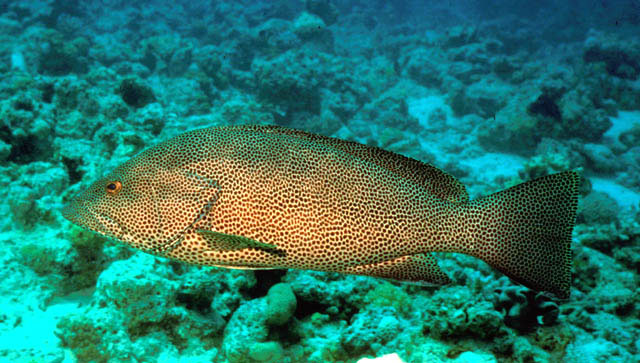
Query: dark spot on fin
{"points": [[222, 241]]}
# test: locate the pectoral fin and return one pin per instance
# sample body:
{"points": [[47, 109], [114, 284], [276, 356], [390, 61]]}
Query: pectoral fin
{"points": [[222, 241], [421, 268], [232, 267]]}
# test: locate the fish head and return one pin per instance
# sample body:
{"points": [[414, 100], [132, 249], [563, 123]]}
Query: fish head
{"points": [[120, 206], [150, 201]]}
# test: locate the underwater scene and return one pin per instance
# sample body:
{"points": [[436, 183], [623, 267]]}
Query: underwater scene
{"points": [[320, 181]]}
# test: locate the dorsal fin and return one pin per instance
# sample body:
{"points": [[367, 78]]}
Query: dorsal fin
{"points": [[434, 180]]}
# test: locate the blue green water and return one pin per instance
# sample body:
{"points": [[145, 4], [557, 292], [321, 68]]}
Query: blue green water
{"points": [[493, 92]]}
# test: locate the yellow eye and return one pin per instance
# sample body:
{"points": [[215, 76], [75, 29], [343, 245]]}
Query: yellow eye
{"points": [[113, 187]]}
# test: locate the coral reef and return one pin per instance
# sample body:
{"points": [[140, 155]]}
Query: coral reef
{"points": [[598, 208], [288, 87], [130, 311], [463, 315], [493, 95], [622, 58], [134, 93], [524, 309], [246, 336], [325, 9], [308, 26]]}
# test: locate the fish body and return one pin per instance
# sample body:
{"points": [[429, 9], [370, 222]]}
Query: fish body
{"points": [[270, 197]]}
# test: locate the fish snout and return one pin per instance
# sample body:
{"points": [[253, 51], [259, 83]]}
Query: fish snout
{"points": [[72, 211], [80, 213]]}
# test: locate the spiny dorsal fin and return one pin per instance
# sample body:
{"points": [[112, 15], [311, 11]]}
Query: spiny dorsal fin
{"points": [[434, 180]]}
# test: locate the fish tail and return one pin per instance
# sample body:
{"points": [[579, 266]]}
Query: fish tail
{"points": [[525, 231]]}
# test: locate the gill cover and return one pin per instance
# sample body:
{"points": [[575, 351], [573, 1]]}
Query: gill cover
{"points": [[182, 200]]}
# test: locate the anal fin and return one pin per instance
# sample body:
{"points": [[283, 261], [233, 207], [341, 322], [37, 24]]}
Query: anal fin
{"points": [[421, 268]]}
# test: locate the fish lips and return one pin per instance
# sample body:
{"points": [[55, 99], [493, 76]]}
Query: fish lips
{"points": [[80, 213]]}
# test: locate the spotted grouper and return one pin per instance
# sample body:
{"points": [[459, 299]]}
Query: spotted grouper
{"points": [[264, 197]]}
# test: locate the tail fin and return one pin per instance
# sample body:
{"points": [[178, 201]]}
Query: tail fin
{"points": [[525, 231]]}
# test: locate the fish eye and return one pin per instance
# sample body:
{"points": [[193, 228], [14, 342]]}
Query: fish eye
{"points": [[113, 187]]}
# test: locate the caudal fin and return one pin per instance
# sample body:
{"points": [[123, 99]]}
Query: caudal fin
{"points": [[525, 231]]}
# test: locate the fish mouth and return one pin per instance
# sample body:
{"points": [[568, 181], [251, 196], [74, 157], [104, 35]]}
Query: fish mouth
{"points": [[79, 213], [108, 226]]}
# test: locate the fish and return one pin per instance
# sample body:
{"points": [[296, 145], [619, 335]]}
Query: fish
{"points": [[270, 197]]}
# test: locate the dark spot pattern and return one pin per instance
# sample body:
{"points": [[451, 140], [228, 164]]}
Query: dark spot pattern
{"points": [[328, 205], [525, 231]]}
